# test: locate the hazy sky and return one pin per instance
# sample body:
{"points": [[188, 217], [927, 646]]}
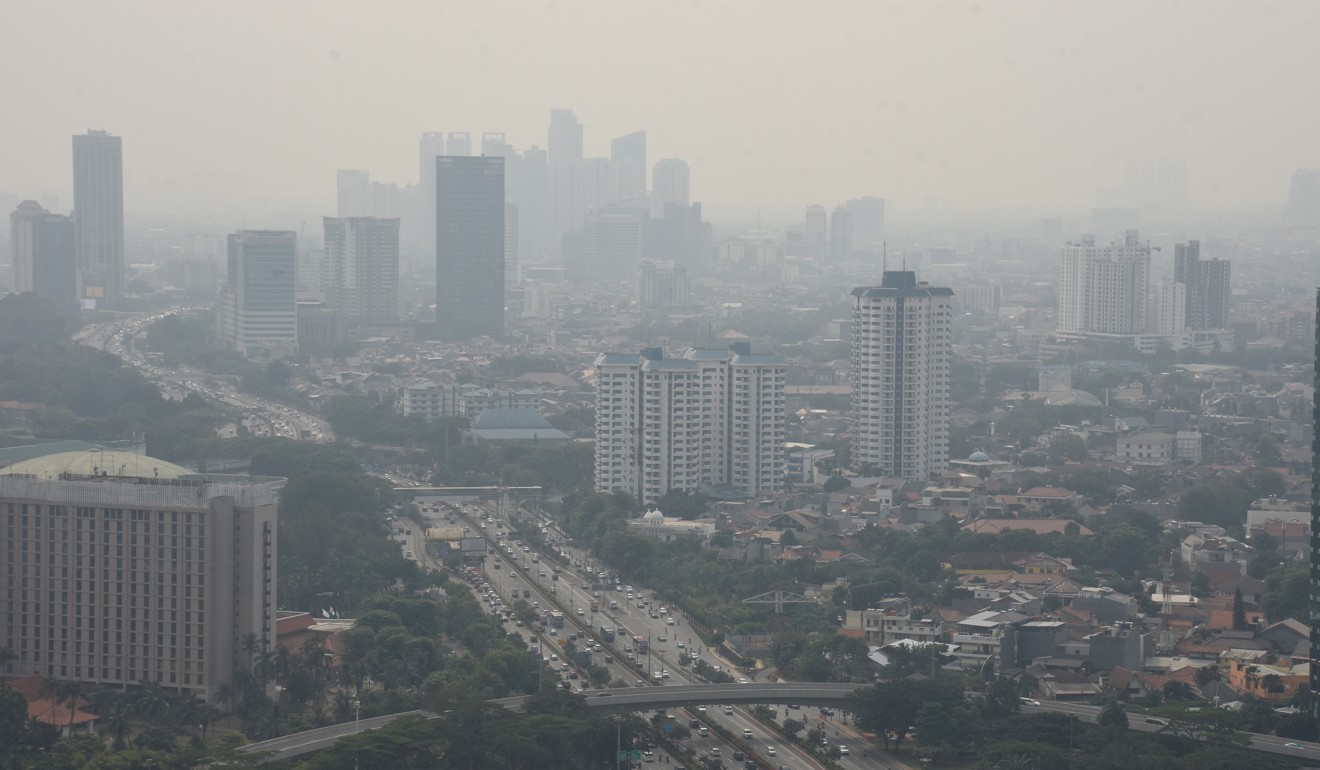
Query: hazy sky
{"points": [[772, 103]]}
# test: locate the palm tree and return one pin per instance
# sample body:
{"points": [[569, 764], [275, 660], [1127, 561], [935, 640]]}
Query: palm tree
{"points": [[152, 700], [250, 645], [73, 692], [116, 719], [224, 695], [7, 656], [57, 690]]}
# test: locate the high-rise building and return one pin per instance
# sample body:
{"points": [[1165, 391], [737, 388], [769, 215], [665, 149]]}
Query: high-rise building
{"points": [[628, 161], [1301, 214], [511, 265], [670, 182], [119, 569], [868, 223], [458, 144], [841, 233], [1207, 282], [565, 136], [815, 232], [353, 193], [421, 226], [360, 269], [98, 213], [44, 256], [257, 314], [1102, 289], [613, 246], [493, 145], [662, 286], [1171, 307], [901, 345], [469, 254], [533, 191], [712, 419]]}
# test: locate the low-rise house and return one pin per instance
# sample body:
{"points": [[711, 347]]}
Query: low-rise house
{"points": [[1106, 605], [1249, 674], [1145, 448], [1039, 526]]}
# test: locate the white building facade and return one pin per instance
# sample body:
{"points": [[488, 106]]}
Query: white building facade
{"points": [[1102, 289], [713, 418], [901, 344]]}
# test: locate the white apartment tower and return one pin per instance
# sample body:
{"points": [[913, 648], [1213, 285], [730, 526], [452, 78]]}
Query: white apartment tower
{"points": [[360, 270], [712, 419], [1102, 289], [901, 343]]}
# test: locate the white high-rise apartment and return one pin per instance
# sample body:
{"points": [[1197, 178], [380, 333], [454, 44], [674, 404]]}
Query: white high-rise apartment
{"points": [[901, 341], [714, 419], [98, 213], [360, 270], [1102, 289], [257, 313]]}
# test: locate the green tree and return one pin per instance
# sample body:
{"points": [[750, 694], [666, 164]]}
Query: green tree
{"points": [[1113, 715]]}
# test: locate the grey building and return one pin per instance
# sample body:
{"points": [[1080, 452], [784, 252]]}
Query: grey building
{"points": [[98, 213], [44, 256], [469, 246], [119, 569], [1207, 286], [257, 312], [360, 270]]}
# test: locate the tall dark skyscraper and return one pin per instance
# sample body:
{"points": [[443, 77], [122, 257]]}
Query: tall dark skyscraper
{"points": [[1207, 283], [469, 247], [98, 213]]}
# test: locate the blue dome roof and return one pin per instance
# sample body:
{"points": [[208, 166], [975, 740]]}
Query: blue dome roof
{"points": [[978, 457]]}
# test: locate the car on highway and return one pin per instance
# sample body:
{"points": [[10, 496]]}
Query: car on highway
{"points": [[1292, 745], [747, 733], [770, 750], [843, 750]]}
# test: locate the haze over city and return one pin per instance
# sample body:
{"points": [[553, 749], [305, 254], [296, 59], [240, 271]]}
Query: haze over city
{"points": [[983, 105], [813, 385]]}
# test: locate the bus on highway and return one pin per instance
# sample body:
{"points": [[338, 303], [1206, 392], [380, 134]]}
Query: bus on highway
{"points": [[557, 619], [607, 634], [642, 644]]}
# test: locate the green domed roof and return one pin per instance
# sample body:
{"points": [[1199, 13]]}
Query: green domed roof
{"points": [[95, 463]]}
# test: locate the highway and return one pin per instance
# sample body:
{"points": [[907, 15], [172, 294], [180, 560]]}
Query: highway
{"points": [[260, 416], [642, 617]]}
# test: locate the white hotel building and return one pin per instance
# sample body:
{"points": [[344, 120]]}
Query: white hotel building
{"points": [[713, 419], [901, 341]]}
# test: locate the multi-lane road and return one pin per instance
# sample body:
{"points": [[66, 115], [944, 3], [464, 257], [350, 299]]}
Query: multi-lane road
{"points": [[261, 417], [579, 587]]}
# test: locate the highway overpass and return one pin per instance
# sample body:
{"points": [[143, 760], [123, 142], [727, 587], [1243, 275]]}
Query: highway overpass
{"points": [[648, 698], [613, 700]]}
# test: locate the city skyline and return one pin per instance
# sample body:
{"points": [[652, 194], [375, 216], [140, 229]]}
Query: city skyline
{"points": [[1032, 76]]}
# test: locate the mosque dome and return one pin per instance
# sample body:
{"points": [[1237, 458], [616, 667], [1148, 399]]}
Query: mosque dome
{"points": [[978, 457], [654, 516]]}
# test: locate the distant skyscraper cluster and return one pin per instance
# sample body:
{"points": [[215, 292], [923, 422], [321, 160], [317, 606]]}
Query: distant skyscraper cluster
{"points": [[853, 229], [901, 349], [713, 419], [1104, 295]]}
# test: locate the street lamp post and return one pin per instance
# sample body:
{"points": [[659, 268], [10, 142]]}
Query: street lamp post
{"points": [[357, 714]]}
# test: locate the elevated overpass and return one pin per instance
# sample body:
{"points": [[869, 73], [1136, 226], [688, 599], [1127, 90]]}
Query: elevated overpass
{"points": [[647, 698], [620, 699], [469, 493]]}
